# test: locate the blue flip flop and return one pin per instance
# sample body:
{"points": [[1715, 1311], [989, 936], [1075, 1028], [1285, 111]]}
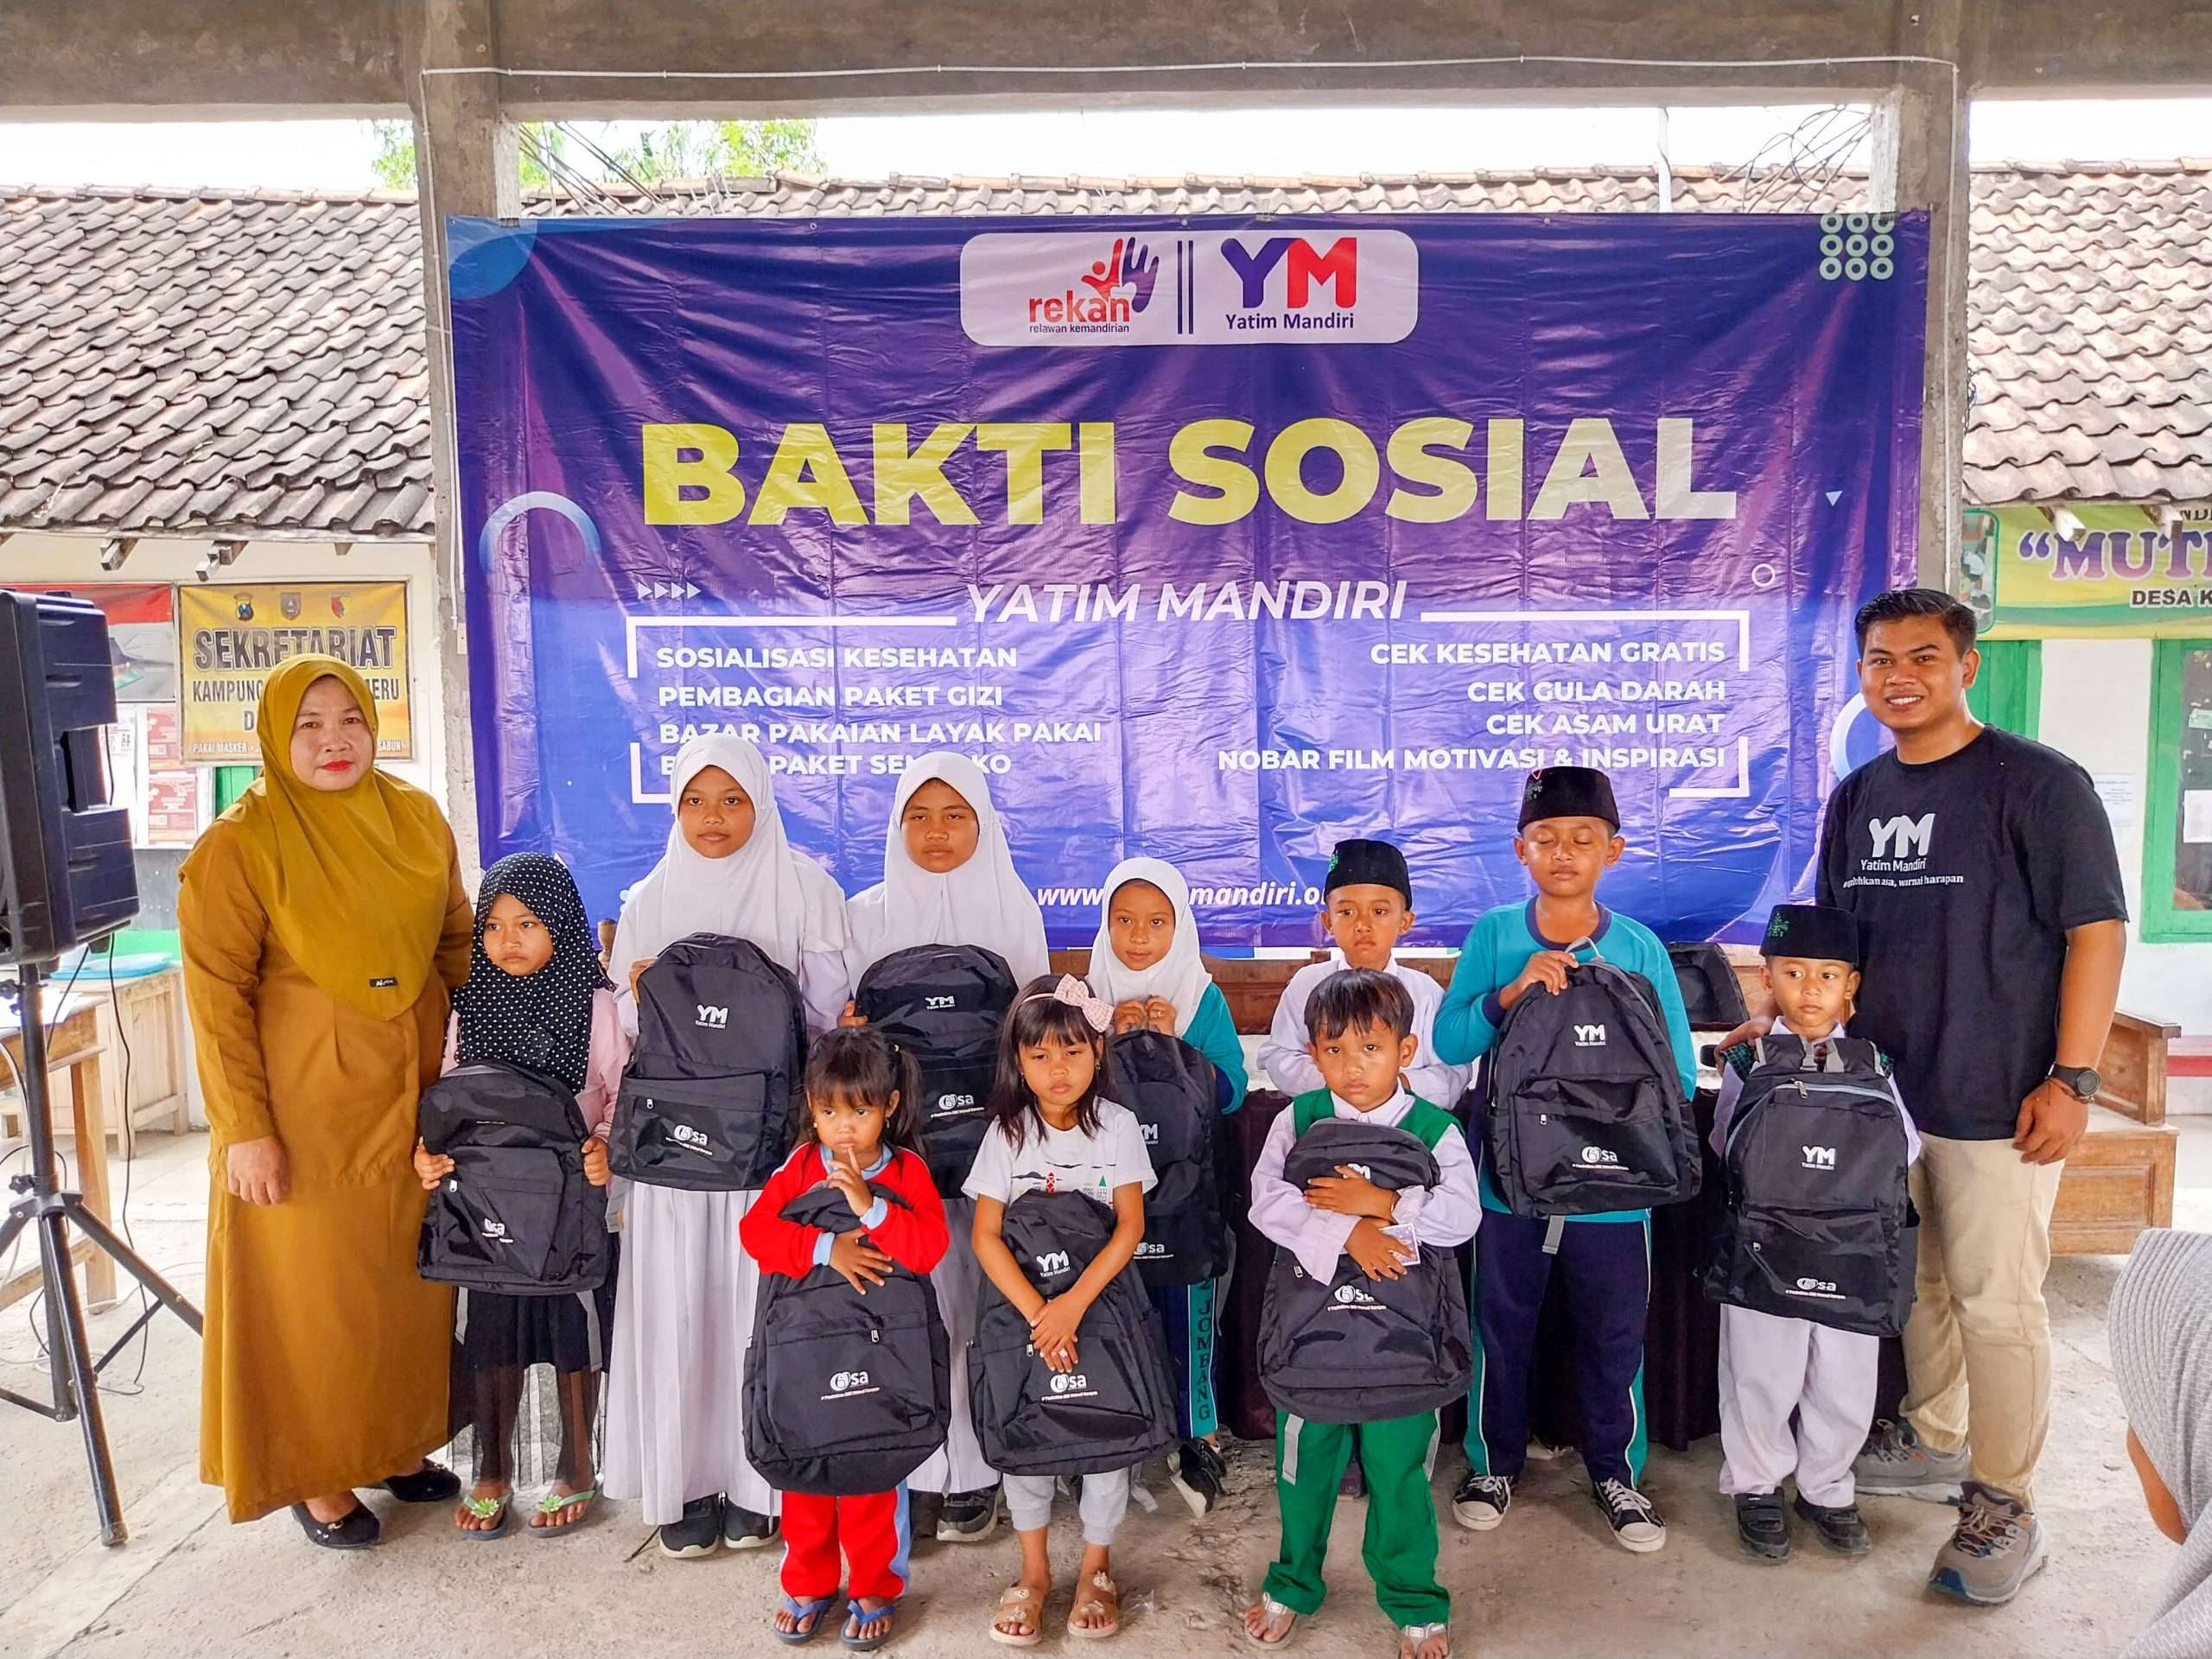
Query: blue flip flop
{"points": [[484, 1509], [861, 1615], [797, 1608]]}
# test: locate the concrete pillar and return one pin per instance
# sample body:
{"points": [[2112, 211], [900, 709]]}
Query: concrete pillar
{"points": [[465, 164], [1920, 163]]}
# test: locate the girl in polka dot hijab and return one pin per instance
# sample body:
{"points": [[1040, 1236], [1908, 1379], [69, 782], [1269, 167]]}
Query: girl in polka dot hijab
{"points": [[540, 1018]]}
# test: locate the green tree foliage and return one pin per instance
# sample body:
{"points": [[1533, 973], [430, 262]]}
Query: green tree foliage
{"points": [[676, 149]]}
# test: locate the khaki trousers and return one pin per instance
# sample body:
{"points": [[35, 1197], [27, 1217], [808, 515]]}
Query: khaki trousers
{"points": [[1978, 1346]]}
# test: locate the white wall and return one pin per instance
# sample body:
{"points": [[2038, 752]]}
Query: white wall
{"points": [[31, 556], [2096, 708]]}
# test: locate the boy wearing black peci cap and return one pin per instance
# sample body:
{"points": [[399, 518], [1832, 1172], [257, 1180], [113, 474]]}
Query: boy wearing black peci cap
{"points": [[1368, 906], [1569, 836], [1773, 1367]]}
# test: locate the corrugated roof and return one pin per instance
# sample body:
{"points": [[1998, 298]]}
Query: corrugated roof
{"points": [[204, 361]]}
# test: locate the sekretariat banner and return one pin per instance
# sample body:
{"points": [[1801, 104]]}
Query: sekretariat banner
{"points": [[1221, 539]]}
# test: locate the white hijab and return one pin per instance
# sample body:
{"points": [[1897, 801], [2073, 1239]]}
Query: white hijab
{"points": [[983, 902], [1180, 977], [2161, 1328], [780, 900]]}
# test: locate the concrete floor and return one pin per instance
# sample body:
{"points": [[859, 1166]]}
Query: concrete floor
{"points": [[1547, 1583]]}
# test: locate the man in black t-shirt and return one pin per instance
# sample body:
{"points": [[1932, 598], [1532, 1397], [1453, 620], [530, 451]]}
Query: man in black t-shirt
{"points": [[1982, 868]]}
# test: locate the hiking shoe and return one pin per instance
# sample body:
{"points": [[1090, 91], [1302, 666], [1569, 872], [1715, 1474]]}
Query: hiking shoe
{"points": [[1761, 1527], [697, 1533], [1894, 1463], [1634, 1518], [744, 1528], [1481, 1501], [1197, 1470], [968, 1518], [1842, 1529], [1996, 1546]]}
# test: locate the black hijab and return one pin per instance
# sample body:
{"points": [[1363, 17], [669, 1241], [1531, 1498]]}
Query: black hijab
{"points": [[541, 1020]]}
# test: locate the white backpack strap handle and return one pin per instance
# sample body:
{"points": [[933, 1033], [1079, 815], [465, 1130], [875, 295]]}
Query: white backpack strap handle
{"points": [[1589, 943]]}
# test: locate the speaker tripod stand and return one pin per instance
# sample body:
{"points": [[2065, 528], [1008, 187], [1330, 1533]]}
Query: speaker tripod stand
{"points": [[51, 1212]]}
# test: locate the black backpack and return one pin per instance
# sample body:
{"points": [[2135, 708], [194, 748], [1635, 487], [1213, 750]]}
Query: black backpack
{"points": [[1360, 1350], [1712, 997], [1169, 1087], [844, 1393], [1114, 1409], [712, 1095], [515, 1216], [1585, 1112], [1817, 1224], [943, 1005]]}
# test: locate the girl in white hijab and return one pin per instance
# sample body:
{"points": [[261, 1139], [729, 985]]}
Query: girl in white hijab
{"points": [[948, 879], [1146, 961], [683, 1311], [2161, 1328]]}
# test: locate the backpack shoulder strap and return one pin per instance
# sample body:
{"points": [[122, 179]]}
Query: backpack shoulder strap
{"points": [[1310, 1108], [1427, 1123]]}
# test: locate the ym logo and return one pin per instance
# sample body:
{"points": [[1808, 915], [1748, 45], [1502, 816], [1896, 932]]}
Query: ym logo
{"points": [[1068, 1381], [493, 1228], [1052, 1262], [1909, 836], [688, 1136], [844, 1381], [1819, 1157], [937, 1001], [713, 1019], [1362, 1171], [1589, 1036], [1150, 1132], [1599, 1156], [1353, 1296]]}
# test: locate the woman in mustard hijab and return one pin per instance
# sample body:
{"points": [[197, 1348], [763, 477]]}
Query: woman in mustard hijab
{"points": [[323, 922]]}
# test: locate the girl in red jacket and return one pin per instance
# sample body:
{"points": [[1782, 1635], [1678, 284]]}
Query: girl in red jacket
{"points": [[862, 1125]]}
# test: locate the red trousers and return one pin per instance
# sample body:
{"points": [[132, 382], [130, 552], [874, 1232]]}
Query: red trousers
{"points": [[873, 1531]]}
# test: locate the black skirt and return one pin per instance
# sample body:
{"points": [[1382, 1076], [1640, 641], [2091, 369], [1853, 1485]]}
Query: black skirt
{"points": [[494, 1333]]}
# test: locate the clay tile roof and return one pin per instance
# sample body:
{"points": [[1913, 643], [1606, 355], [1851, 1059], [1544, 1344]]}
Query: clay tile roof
{"points": [[199, 362]]}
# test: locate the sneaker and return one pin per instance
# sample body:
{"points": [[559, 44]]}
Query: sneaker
{"points": [[1197, 1470], [697, 1533], [922, 1510], [1634, 1518], [1842, 1529], [1996, 1546], [968, 1518], [1354, 1484], [1543, 1451], [1761, 1527], [1894, 1463], [1481, 1501], [744, 1528]]}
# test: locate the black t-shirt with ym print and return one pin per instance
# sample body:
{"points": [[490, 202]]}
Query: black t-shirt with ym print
{"points": [[1966, 873]]}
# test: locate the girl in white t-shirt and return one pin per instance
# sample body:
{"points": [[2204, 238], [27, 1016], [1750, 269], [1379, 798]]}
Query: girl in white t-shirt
{"points": [[1053, 1132]]}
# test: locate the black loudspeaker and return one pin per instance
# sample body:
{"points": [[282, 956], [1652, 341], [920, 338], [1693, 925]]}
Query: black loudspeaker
{"points": [[66, 875]]}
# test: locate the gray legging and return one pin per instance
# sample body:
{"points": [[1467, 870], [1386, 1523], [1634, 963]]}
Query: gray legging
{"points": [[1105, 1501]]}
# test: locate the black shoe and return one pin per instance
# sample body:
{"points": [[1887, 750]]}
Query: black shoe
{"points": [[355, 1531], [923, 1511], [1481, 1503], [744, 1528], [1196, 1470], [1635, 1519], [1761, 1527], [1843, 1530], [428, 1484], [968, 1518], [1354, 1484], [697, 1533]]}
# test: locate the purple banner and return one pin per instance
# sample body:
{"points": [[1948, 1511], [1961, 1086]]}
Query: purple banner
{"points": [[1219, 540]]}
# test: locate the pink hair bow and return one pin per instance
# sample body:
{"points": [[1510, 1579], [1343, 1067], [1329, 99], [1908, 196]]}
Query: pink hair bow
{"points": [[1096, 1012]]}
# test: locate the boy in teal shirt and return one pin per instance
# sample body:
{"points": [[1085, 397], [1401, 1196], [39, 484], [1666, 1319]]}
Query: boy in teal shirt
{"points": [[1569, 836]]}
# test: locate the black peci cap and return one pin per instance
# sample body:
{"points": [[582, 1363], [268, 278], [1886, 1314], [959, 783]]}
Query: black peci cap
{"points": [[1568, 792], [1813, 932], [1369, 864]]}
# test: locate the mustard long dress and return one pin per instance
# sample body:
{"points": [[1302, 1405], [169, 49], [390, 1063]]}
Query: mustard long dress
{"points": [[325, 1356]]}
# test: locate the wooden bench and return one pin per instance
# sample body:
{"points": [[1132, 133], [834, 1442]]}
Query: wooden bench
{"points": [[73, 1047], [2119, 1180]]}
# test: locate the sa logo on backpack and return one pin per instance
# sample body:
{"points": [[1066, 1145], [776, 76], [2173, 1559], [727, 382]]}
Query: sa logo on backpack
{"points": [[844, 1393], [515, 1216], [1169, 1087], [711, 1096], [1586, 1111], [942, 1004], [1818, 1225]]}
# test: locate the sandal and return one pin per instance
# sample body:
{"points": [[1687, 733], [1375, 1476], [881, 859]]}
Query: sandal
{"points": [[483, 1509], [1275, 1610], [886, 1615], [1021, 1600], [1096, 1604], [1414, 1635], [800, 1610], [553, 1503]]}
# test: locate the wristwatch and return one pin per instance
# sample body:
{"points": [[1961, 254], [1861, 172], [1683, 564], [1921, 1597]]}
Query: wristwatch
{"points": [[2081, 1081]]}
